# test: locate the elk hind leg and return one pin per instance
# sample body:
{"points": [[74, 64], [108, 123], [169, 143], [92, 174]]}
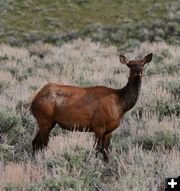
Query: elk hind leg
{"points": [[36, 143], [42, 137], [45, 129]]}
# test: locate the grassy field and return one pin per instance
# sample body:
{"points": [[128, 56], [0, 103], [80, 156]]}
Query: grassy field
{"points": [[145, 148], [64, 16], [119, 22]]}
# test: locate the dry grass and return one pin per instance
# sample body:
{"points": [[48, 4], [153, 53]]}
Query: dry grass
{"points": [[145, 149]]}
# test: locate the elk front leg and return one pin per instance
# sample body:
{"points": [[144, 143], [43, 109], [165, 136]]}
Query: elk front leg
{"points": [[98, 140], [103, 142]]}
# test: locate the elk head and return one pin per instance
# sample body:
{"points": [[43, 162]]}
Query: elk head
{"points": [[136, 66]]}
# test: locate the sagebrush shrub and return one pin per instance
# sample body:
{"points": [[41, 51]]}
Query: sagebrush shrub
{"points": [[146, 141], [172, 86], [165, 139], [9, 119], [6, 152], [165, 108], [39, 49], [27, 120], [3, 86]]}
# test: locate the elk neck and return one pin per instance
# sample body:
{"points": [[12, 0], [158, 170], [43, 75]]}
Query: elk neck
{"points": [[129, 94]]}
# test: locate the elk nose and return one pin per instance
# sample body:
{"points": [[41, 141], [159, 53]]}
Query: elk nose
{"points": [[140, 74]]}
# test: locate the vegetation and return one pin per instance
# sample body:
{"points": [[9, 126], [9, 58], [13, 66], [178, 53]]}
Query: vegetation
{"points": [[77, 42], [123, 23], [145, 148]]}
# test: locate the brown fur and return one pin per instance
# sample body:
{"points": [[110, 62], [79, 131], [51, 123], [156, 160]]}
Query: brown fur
{"points": [[94, 109]]}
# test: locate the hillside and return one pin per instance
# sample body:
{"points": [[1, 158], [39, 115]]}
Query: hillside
{"points": [[119, 22], [145, 148]]}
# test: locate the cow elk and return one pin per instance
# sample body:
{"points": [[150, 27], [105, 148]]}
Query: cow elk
{"points": [[96, 109]]}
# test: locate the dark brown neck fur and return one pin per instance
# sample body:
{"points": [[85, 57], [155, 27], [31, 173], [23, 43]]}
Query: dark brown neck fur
{"points": [[130, 93]]}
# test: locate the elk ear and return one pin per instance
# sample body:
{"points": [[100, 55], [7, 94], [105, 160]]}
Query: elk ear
{"points": [[147, 58], [123, 59]]}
